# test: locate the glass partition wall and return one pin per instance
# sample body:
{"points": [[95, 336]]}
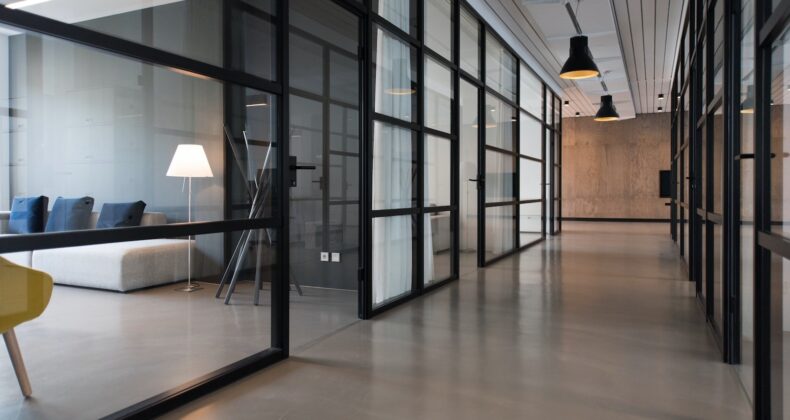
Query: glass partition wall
{"points": [[152, 154], [730, 89], [226, 147]]}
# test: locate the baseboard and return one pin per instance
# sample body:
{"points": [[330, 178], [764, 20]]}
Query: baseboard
{"points": [[613, 219]]}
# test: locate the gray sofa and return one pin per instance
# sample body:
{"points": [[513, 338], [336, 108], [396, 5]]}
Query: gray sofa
{"points": [[121, 266]]}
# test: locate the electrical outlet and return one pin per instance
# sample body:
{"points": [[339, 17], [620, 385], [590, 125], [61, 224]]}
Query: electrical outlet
{"points": [[335, 257], [325, 256]]}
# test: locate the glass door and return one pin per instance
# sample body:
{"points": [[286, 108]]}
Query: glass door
{"points": [[470, 179], [325, 142]]}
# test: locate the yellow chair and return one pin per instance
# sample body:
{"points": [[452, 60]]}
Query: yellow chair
{"points": [[24, 294]]}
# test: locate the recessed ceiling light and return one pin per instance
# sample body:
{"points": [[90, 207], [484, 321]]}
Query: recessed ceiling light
{"points": [[577, 113], [660, 109], [24, 3], [660, 96], [567, 103]]}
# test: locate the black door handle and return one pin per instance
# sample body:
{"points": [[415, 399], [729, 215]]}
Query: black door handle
{"points": [[293, 166]]}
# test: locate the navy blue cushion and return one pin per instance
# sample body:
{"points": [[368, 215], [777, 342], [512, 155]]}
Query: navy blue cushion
{"points": [[27, 214], [120, 215], [70, 214]]}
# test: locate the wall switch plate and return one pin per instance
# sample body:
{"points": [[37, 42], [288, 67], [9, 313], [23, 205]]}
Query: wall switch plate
{"points": [[325, 256], [335, 257]]}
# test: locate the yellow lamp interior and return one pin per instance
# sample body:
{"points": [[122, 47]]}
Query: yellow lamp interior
{"points": [[400, 91], [579, 74], [606, 119]]}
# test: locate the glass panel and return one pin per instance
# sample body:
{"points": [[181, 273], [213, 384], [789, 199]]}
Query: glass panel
{"points": [[394, 167], [718, 285], [746, 368], [703, 261], [780, 335], [500, 123], [780, 138], [718, 157], [500, 173], [438, 253], [90, 123], [499, 231], [703, 59], [192, 28], [685, 218], [531, 99], [439, 96], [437, 171], [501, 68], [530, 221], [470, 43], [87, 327], [557, 107], [703, 181], [468, 168], [530, 179], [439, 27], [401, 13], [530, 139], [394, 247], [395, 77], [324, 204], [547, 179], [718, 50]]}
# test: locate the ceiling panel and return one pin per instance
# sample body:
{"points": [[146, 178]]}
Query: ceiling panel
{"points": [[634, 43]]}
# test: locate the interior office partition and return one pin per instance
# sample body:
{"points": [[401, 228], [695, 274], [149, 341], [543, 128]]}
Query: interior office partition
{"points": [[734, 52], [97, 101], [425, 136]]}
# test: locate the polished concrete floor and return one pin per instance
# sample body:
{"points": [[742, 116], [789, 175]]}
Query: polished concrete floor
{"points": [[95, 352], [595, 324]]}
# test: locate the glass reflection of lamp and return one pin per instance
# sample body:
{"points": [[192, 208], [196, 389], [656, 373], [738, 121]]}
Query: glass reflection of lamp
{"points": [[189, 161], [490, 120], [403, 86], [747, 106]]}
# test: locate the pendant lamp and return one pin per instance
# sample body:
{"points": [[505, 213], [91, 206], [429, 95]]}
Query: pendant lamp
{"points": [[580, 64], [607, 111]]}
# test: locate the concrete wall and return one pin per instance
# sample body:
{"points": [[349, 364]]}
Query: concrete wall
{"points": [[610, 170]]}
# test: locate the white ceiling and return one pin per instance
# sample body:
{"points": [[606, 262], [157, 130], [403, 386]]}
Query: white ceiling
{"points": [[633, 42], [72, 11]]}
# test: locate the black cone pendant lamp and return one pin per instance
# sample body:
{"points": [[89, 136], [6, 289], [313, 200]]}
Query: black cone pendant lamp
{"points": [[607, 111], [580, 64]]}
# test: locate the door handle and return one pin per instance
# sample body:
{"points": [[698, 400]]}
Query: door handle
{"points": [[293, 167]]}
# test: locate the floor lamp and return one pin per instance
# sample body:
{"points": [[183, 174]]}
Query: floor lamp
{"points": [[189, 161]]}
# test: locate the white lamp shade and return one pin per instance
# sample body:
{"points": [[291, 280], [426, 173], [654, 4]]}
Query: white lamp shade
{"points": [[190, 161]]}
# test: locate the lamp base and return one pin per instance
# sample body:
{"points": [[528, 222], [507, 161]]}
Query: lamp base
{"points": [[191, 287]]}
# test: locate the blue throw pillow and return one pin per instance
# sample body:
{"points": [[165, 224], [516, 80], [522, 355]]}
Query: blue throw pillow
{"points": [[27, 214], [70, 214], [120, 215]]}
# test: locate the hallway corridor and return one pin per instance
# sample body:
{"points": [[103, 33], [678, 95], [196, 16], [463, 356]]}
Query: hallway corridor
{"points": [[597, 323]]}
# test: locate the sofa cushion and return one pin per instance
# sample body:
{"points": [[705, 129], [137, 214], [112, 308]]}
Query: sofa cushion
{"points": [[121, 266], [115, 215], [70, 214], [27, 214]]}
